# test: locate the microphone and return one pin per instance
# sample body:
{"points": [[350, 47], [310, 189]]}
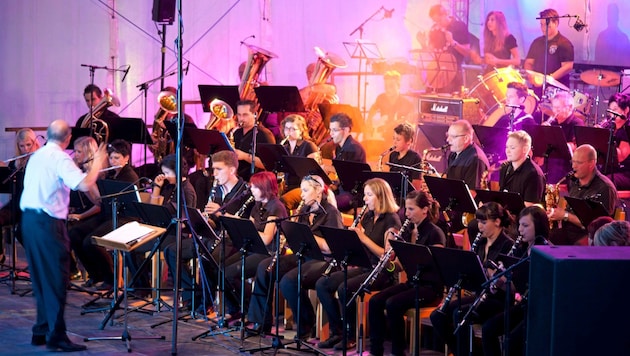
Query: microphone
{"points": [[126, 72], [515, 106], [444, 147], [614, 113], [246, 38], [186, 69], [388, 13], [579, 25], [92, 66]]}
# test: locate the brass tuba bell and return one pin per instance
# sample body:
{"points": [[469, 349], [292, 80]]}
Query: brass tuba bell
{"points": [[221, 116], [256, 61], [98, 127]]}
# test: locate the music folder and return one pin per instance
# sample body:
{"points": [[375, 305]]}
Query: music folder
{"points": [[129, 236]]}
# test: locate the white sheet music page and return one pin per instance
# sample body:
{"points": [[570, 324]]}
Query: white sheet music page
{"points": [[129, 233]]}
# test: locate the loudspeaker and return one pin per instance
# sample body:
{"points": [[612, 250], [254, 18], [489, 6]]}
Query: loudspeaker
{"points": [[577, 301], [164, 11]]}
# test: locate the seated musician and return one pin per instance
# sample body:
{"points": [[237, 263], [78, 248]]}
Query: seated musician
{"points": [[228, 195], [620, 104], [25, 142], [243, 138], [346, 148], [519, 174], [533, 229], [515, 117], [297, 142], [380, 215], [402, 153], [93, 97], [267, 206], [492, 240], [392, 106], [321, 203], [563, 116], [467, 161], [587, 183], [615, 233], [387, 308]]}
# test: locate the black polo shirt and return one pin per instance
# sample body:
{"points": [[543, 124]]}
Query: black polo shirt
{"points": [[262, 211], [303, 148], [568, 125], [410, 159], [528, 180], [243, 142], [376, 230], [331, 218], [600, 189], [501, 246], [350, 151]]}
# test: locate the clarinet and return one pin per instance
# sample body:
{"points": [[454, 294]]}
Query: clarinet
{"points": [[475, 243], [239, 214], [274, 259], [333, 263], [213, 192], [386, 258]]}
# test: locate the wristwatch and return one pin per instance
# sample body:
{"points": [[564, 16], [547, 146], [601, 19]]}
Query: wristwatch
{"points": [[566, 216]]}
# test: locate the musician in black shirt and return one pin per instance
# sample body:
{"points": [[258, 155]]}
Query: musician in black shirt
{"points": [[244, 137]]}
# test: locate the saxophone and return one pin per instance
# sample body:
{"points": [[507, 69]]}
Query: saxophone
{"points": [[386, 258], [552, 196], [382, 155], [333, 263]]}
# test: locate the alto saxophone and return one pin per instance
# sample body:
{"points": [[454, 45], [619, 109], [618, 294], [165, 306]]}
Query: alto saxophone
{"points": [[552, 196], [333, 263]]}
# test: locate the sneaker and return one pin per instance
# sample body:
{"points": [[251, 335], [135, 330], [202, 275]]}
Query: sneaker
{"points": [[330, 342]]}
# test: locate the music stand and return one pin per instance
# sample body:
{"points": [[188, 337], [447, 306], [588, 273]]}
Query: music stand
{"points": [[270, 155], [603, 141], [459, 269], [350, 174], [132, 130], [345, 247], [171, 127], [245, 237], [397, 180], [207, 142], [279, 98], [362, 49], [304, 166], [227, 93], [549, 142], [513, 202], [302, 242], [328, 110], [492, 141], [437, 69], [452, 194], [586, 210], [77, 132], [418, 262], [155, 215]]}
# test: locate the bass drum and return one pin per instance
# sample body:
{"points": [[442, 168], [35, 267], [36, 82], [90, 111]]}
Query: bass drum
{"points": [[531, 105], [492, 89]]}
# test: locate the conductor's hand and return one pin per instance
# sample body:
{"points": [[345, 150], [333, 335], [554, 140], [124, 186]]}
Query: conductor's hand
{"points": [[100, 157]]}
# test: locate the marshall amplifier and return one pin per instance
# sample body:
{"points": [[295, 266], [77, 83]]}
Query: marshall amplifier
{"points": [[435, 108]]}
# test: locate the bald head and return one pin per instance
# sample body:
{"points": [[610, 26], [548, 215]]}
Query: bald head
{"points": [[58, 131], [586, 153]]}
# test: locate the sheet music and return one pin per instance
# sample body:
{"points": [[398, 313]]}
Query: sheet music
{"points": [[129, 234]]}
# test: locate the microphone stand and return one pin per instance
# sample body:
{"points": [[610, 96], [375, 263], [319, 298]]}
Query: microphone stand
{"points": [[254, 134]]}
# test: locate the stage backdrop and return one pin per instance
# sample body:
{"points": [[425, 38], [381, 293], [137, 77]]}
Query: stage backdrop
{"points": [[44, 43]]}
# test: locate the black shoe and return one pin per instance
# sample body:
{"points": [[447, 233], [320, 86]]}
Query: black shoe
{"points": [[351, 344], [103, 286], [330, 342], [90, 283], [38, 340], [64, 345], [306, 333]]}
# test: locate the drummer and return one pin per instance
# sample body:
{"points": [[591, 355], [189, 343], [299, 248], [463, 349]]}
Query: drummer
{"points": [[515, 115], [559, 51]]}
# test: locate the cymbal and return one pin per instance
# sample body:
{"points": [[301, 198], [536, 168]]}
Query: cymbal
{"points": [[537, 79], [601, 77]]}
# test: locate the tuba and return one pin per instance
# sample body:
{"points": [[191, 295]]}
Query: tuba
{"points": [[168, 105], [98, 127], [318, 91], [256, 61]]}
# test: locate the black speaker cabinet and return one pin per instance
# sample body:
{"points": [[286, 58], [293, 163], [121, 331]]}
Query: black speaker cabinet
{"points": [[164, 11], [578, 301]]}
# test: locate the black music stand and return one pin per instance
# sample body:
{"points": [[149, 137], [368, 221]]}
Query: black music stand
{"points": [[461, 270], [513, 202], [171, 127], [549, 142], [419, 264], [279, 98], [132, 130], [452, 194], [304, 166], [492, 140], [301, 240], [227, 93], [328, 110], [603, 141], [436, 135], [586, 210], [350, 174], [346, 247], [245, 237], [397, 180], [270, 155], [207, 142]]}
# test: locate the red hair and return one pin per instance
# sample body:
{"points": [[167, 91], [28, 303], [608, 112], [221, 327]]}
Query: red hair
{"points": [[267, 183]]}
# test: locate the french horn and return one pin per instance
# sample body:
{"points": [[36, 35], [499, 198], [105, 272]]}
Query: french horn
{"points": [[99, 129]]}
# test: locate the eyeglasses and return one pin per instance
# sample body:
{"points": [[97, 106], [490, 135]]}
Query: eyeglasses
{"points": [[455, 136], [337, 129], [292, 129]]}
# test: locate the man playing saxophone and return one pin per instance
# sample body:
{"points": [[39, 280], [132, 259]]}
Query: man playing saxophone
{"points": [[588, 184]]}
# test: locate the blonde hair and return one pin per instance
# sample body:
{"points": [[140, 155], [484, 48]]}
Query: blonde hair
{"points": [[299, 121], [24, 135], [89, 145], [522, 137], [327, 194], [384, 196]]}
